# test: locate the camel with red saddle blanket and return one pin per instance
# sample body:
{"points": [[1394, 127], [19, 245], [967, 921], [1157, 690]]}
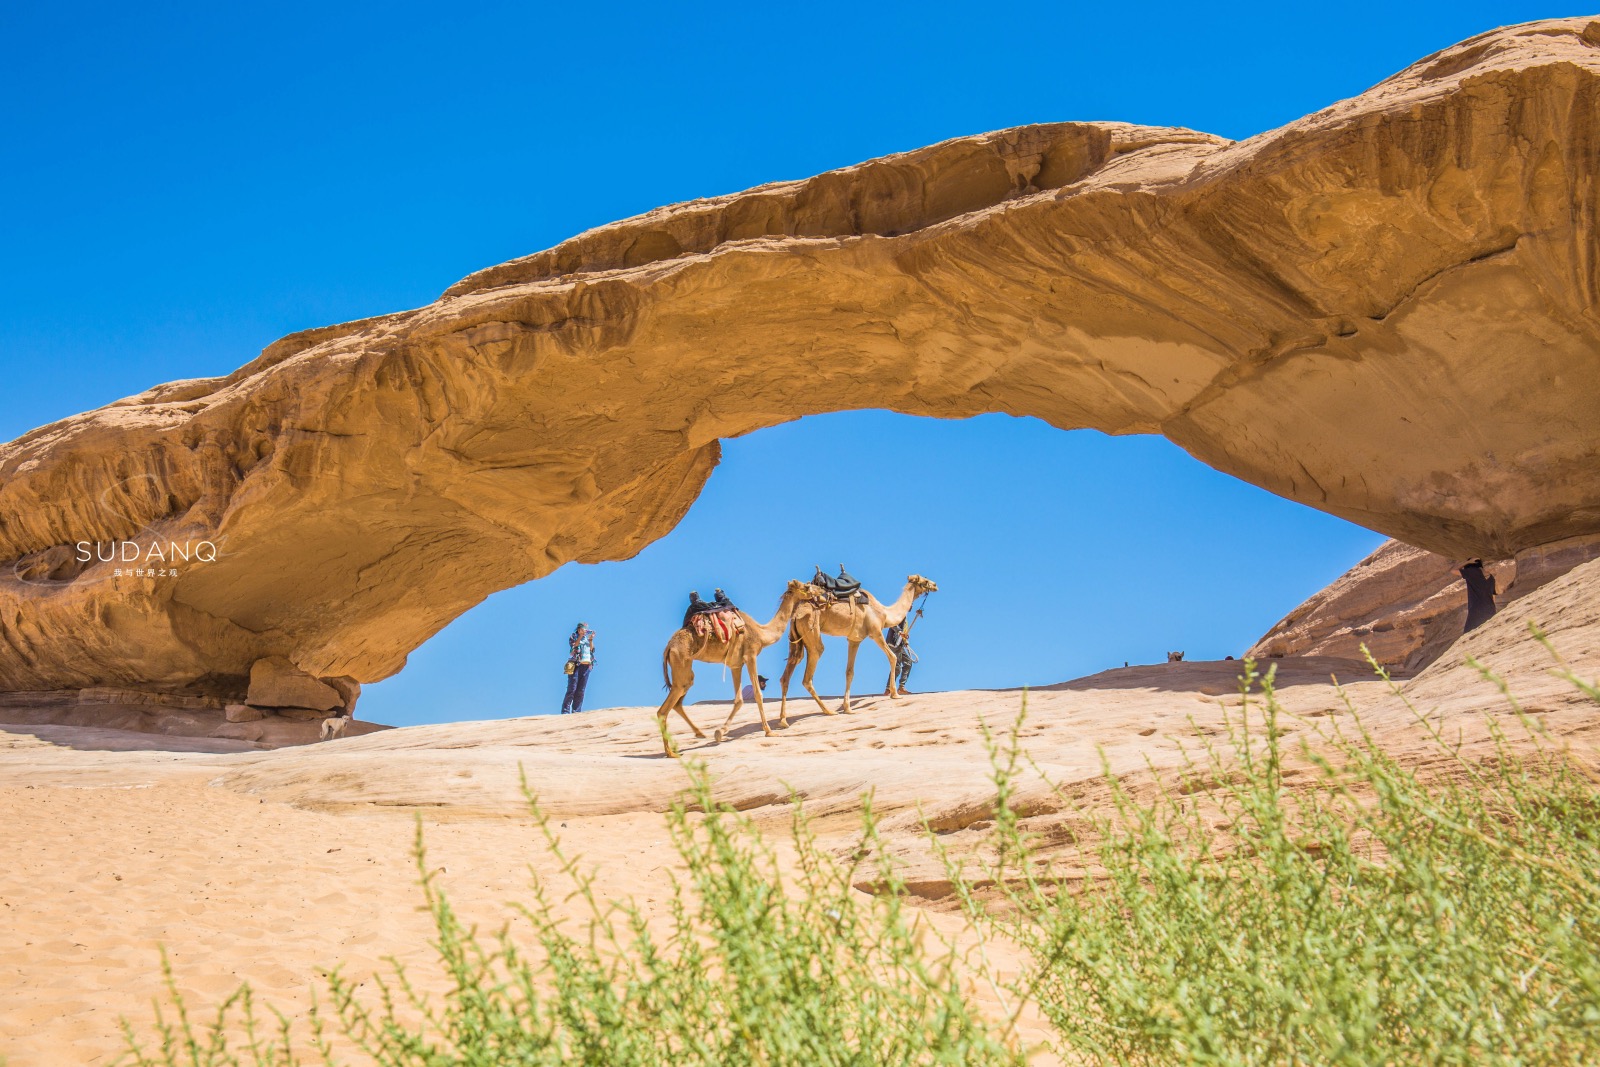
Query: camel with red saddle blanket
{"points": [[857, 617], [732, 638]]}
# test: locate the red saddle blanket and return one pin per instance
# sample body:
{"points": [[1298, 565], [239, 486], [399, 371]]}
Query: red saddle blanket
{"points": [[719, 624]]}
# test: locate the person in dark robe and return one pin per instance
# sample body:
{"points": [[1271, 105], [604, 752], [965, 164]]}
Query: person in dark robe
{"points": [[696, 607], [1480, 594]]}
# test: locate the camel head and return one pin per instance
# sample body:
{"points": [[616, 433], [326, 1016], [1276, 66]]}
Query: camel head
{"points": [[921, 585]]}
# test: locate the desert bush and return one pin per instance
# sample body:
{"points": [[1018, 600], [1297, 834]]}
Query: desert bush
{"points": [[753, 967], [1368, 915]]}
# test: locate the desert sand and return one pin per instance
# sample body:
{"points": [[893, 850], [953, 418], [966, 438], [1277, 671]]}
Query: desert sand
{"points": [[273, 866]]}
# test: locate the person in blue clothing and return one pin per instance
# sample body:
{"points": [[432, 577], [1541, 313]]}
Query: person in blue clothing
{"points": [[898, 638], [580, 662]]}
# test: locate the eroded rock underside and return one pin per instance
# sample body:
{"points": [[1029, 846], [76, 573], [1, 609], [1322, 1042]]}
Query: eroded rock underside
{"points": [[1407, 607], [1386, 310]]}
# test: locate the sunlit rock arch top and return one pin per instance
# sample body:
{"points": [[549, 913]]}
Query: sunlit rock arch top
{"points": [[1386, 310]]}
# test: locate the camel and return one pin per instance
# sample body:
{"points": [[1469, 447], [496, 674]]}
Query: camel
{"points": [[685, 648], [852, 621]]}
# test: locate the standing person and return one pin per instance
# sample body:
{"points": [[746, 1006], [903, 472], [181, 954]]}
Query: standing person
{"points": [[1480, 594], [580, 662], [898, 638]]}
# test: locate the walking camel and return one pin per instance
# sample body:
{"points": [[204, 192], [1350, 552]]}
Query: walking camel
{"points": [[855, 623], [685, 648]]}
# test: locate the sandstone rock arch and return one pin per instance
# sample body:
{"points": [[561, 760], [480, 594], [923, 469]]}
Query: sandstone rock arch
{"points": [[1386, 310]]}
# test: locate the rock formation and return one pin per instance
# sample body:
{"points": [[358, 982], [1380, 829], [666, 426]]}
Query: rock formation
{"points": [[1385, 310], [277, 683], [126, 712], [1406, 605]]}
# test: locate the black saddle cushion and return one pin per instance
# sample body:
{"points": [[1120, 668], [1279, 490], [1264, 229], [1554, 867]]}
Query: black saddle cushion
{"points": [[843, 587]]}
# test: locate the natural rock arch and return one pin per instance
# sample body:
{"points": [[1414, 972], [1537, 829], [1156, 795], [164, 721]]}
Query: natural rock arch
{"points": [[1386, 310]]}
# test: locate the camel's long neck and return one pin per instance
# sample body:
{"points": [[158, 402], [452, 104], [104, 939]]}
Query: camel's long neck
{"points": [[773, 630], [896, 613]]}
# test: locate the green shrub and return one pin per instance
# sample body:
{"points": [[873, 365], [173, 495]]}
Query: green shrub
{"points": [[754, 968], [1366, 916], [1370, 917]]}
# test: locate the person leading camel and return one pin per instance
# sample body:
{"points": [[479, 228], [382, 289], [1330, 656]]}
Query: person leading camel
{"points": [[855, 622], [737, 651], [898, 638]]}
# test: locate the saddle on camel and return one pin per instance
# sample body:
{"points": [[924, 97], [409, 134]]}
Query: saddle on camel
{"points": [[720, 617], [844, 589]]}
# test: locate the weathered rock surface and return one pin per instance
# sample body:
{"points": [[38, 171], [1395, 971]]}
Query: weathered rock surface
{"points": [[1385, 310], [1407, 606], [243, 713], [277, 683], [117, 719], [349, 691], [1404, 604]]}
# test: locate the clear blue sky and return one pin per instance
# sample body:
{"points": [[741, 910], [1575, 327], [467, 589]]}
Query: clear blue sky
{"points": [[183, 183]]}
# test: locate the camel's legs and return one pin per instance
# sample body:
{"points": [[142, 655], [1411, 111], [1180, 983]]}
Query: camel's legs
{"points": [[738, 699], [678, 707], [761, 703], [680, 687], [806, 640], [813, 644], [849, 674], [673, 697], [688, 683], [738, 703], [796, 650], [877, 637]]}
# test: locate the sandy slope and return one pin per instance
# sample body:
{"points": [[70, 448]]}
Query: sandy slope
{"points": [[274, 865]]}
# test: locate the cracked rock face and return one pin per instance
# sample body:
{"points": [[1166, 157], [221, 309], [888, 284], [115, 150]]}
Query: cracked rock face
{"points": [[1386, 310]]}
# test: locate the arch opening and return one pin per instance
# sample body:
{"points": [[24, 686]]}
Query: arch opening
{"points": [[1058, 555]]}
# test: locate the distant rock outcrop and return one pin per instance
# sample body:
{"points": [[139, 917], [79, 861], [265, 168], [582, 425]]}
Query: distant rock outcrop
{"points": [[1406, 605], [1386, 310]]}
